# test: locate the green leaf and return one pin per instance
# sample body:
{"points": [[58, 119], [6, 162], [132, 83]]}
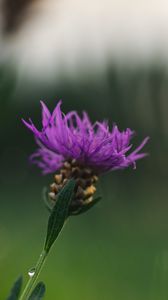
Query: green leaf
{"points": [[59, 213], [86, 207], [38, 292], [16, 289]]}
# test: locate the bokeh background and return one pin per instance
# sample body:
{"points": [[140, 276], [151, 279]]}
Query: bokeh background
{"points": [[110, 59]]}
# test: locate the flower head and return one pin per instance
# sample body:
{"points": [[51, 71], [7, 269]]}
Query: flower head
{"points": [[76, 147]]}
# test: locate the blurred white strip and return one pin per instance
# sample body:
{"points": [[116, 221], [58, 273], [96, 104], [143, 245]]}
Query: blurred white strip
{"points": [[77, 35]]}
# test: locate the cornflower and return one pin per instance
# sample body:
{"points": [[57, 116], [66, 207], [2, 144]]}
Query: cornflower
{"points": [[71, 146]]}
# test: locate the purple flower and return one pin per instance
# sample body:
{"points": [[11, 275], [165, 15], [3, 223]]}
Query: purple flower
{"points": [[68, 137], [74, 147]]}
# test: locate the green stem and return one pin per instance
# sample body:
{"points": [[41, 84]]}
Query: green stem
{"points": [[33, 278]]}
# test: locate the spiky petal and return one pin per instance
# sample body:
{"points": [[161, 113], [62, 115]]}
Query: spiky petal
{"points": [[68, 137]]}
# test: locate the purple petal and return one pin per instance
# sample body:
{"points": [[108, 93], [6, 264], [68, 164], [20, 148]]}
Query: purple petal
{"points": [[45, 114]]}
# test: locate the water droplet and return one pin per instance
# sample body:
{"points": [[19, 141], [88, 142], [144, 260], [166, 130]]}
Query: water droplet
{"points": [[31, 272]]}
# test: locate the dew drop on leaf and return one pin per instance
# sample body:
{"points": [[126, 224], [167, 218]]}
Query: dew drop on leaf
{"points": [[31, 272]]}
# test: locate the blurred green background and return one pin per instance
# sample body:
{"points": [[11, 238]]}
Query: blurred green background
{"points": [[119, 249]]}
